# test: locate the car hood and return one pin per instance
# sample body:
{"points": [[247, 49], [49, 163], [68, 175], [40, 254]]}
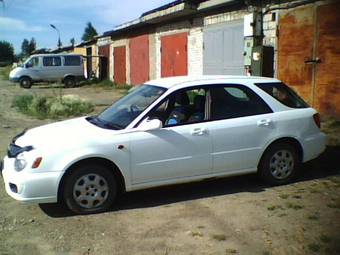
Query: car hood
{"points": [[15, 71], [71, 132]]}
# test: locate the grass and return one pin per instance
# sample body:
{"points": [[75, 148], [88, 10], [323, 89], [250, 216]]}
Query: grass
{"points": [[219, 237], [315, 216], [4, 71], [294, 206], [314, 247], [335, 203], [274, 207], [325, 239], [43, 107], [107, 84], [230, 251], [283, 196]]}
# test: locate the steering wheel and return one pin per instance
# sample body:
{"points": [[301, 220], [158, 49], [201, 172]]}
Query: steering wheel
{"points": [[133, 109]]}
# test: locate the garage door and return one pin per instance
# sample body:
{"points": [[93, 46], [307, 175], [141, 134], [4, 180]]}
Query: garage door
{"points": [[139, 59], [119, 65], [174, 55], [223, 48], [309, 55], [104, 52]]}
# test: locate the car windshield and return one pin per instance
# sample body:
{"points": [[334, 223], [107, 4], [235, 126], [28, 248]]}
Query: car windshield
{"points": [[125, 110]]}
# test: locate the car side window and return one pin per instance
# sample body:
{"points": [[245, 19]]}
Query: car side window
{"points": [[34, 62], [72, 61], [52, 61], [182, 107], [234, 101]]}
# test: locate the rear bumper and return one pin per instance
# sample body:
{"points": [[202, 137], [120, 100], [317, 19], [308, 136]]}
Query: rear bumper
{"points": [[313, 146], [30, 187]]}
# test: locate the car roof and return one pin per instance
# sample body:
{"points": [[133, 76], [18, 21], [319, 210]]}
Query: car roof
{"points": [[181, 80]]}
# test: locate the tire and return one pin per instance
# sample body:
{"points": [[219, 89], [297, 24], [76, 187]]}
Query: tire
{"points": [[25, 82], [279, 164], [90, 189], [70, 82]]}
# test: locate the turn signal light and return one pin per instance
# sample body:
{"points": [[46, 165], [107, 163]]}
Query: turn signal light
{"points": [[317, 120], [37, 162]]}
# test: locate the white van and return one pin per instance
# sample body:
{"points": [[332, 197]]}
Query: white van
{"points": [[68, 68]]}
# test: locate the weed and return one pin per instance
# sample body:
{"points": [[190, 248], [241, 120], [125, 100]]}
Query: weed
{"points": [[200, 226], [315, 216], [314, 247], [335, 203], [219, 237], [230, 251], [297, 197], [282, 214], [312, 190], [4, 72], [52, 107], [325, 239], [283, 196], [199, 234], [274, 207], [294, 206]]}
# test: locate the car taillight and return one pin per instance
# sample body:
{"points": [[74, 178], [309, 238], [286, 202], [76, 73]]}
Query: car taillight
{"points": [[317, 120]]}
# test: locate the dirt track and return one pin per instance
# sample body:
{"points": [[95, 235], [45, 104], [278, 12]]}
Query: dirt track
{"points": [[229, 216]]}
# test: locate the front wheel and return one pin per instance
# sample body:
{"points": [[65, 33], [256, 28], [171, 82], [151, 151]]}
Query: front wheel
{"points": [[70, 82], [90, 189], [279, 164], [25, 82]]}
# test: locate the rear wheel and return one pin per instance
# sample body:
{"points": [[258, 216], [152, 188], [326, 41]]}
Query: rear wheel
{"points": [[70, 82], [279, 164], [25, 82], [90, 189]]}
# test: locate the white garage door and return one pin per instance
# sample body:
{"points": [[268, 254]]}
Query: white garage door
{"points": [[223, 48]]}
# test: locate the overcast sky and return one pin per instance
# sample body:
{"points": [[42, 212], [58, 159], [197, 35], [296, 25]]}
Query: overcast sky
{"points": [[21, 19]]}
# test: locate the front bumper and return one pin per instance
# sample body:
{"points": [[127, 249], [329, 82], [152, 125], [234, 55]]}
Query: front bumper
{"points": [[30, 187], [14, 79]]}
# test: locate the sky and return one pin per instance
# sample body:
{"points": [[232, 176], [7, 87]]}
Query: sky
{"points": [[20, 19]]}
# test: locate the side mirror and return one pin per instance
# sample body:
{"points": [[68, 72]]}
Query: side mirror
{"points": [[148, 125]]}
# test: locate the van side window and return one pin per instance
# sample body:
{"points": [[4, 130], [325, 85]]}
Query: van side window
{"points": [[72, 61], [51, 61], [34, 62]]}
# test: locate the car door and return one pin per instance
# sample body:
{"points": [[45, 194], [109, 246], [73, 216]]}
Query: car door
{"points": [[182, 148], [34, 68], [241, 125]]}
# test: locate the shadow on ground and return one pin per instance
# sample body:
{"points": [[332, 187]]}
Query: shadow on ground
{"points": [[326, 165]]}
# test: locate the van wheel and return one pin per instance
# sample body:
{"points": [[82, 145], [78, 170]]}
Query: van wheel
{"points": [[279, 164], [25, 82], [90, 189], [70, 82]]}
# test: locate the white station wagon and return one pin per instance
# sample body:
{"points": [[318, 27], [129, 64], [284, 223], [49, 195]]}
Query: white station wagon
{"points": [[167, 131]]}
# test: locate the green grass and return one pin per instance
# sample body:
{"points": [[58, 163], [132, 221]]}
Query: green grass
{"points": [[283, 196], [325, 239], [315, 216], [230, 251], [219, 237], [274, 207], [107, 84], [4, 72], [335, 203], [294, 206], [51, 107], [314, 247]]}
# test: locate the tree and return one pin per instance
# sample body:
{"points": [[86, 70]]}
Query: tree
{"points": [[25, 46], [6, 52], [72, 41], [32, 46], [89, 32]]}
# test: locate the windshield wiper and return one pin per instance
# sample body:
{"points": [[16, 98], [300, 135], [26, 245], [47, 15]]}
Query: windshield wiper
{"points": [[103, 124]]}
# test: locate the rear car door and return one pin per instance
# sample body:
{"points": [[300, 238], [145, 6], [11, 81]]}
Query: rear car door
{"points": [[241, 124], [182, 148]]}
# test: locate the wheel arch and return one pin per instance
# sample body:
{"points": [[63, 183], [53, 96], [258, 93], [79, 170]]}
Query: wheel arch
{"points": [[287, 140], [98, 160], [69, 75], [25, 76]]}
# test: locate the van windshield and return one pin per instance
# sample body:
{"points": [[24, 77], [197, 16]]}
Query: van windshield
{"points": [[125, 110]]}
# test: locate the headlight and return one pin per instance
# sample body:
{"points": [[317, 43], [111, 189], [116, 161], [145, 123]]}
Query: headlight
{"points": [[19, 163]]}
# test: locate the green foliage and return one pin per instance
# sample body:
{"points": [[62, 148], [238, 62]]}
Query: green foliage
{"points": [[4, 72], [52, 107], [89, 32], [6, 53], [27, 47]]}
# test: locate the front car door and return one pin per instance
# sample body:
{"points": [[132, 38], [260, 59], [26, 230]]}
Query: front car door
{"points": [[241, 124], [182, 148]]}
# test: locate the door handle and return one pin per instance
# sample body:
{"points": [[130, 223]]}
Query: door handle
{"points": [[264, 122], [199, 131]]}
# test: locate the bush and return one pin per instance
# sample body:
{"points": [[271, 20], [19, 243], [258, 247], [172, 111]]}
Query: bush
{"points": [[52, 107], [4, 71]]}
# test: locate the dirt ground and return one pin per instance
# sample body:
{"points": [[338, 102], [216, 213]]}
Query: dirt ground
{"points": [[238, 215]]}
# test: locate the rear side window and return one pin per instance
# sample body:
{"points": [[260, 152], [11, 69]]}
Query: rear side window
{"points": [[51, 61], [234, 101], [283, 94], [72, 61]]}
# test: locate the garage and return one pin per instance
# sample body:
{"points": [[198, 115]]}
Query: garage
{"points": [[139, 59], [309, 55], [119, 59], [104, 53], [174, 55], [223, 48]]}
